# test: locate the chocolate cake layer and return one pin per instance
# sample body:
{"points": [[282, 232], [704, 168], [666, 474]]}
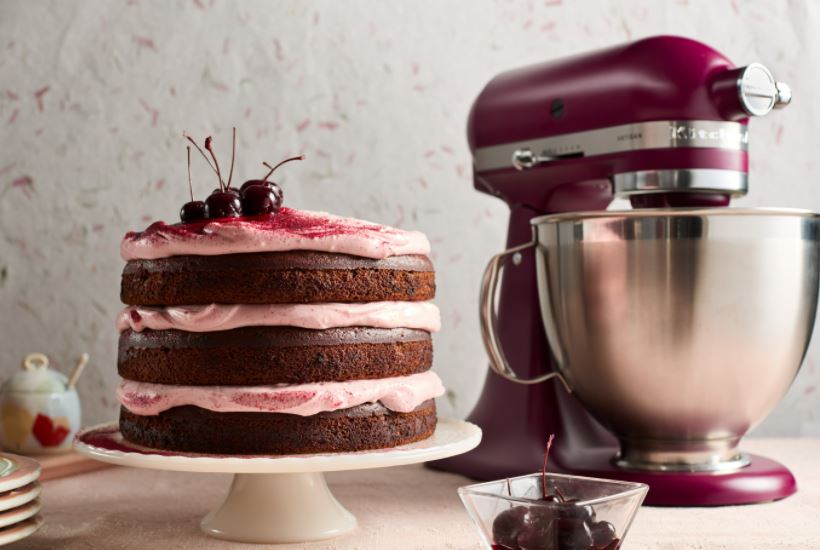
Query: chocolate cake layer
{"points": [[192, 429], [275, 278], [272, 355]]}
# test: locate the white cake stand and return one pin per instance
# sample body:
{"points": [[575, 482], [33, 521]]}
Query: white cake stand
{"points": [[278, 499]]}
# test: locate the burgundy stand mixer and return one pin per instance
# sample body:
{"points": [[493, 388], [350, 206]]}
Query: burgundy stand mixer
{"points": [[674, 327]]}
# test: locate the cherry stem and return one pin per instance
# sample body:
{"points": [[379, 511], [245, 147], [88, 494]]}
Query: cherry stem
{"points": [[190, 185], [201, 152], [209, 146], [233, 155], [272, 168], [509, 487], [544, 469]]}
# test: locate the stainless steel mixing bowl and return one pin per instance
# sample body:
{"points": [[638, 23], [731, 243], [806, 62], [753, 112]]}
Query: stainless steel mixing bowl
{"points": [[679, 330]]}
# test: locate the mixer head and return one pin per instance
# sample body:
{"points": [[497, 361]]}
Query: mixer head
{"points": [[661, 121]]}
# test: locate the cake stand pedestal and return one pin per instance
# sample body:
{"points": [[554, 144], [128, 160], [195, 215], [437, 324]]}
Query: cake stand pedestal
{"points": [[277, 499]]}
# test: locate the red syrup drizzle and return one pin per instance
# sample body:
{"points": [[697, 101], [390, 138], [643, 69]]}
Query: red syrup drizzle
{"points": [[287, 220], [544, 471], [108, 438]]}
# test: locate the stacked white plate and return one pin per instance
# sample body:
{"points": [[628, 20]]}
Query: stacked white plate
{"points": [[19, 502]]}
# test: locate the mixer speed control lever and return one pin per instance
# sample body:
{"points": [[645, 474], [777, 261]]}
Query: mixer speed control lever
{"points": [[523, 159]]}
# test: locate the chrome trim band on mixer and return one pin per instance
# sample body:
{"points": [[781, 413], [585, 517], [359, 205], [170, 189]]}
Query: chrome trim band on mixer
{"points": [[660, 134], [710, 180], [653, 461]]}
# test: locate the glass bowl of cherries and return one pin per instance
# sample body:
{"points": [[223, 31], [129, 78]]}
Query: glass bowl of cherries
{"points": [[544, 511]]}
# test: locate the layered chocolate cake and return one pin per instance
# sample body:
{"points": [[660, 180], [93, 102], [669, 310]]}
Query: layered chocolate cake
{"points": [[279, 333]]}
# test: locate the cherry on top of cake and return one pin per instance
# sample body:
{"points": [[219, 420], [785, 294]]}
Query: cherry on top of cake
{"points": [[255, 197], [252, 219]]}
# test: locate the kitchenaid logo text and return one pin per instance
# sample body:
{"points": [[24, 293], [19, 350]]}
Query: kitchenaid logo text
{"points": [[722, 135]]}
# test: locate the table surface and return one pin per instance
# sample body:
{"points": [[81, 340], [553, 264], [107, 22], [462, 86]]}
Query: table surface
{"points": [[405, 507]]}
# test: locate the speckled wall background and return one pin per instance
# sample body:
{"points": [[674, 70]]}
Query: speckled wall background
{"points": [[94, 97]]}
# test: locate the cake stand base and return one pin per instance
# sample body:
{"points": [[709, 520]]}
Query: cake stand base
{"points": [[277, 499], [278, 508]]}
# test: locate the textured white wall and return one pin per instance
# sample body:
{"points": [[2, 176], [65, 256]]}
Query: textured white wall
{"points": [[94, 97]]}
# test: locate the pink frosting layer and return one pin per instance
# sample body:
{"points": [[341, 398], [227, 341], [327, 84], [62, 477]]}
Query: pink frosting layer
{"points": [[214, 317], [289, 229], [400, 394]]}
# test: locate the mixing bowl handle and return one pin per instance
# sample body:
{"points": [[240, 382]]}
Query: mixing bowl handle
{"points": [[489, 321]]}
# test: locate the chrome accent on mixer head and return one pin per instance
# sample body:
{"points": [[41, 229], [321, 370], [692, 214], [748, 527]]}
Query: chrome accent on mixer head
{"points": [[660, 134], [731, 182], [759, 92], [585, 215], [522, 159], [784, 95]]}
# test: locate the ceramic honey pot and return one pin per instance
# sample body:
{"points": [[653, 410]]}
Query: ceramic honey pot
{"points": [[40, 408]]}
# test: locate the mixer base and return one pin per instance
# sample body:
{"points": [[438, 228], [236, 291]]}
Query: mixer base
{"points": [[763, 480]]}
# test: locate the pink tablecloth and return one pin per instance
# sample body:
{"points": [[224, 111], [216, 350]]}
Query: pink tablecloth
{"points": [[408, 507]]}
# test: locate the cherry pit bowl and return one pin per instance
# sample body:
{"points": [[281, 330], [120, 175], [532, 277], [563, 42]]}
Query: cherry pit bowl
{"points": [[579, 513]]}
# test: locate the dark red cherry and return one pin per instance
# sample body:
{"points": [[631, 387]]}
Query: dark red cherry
{"points": [[603, 534], [508, 525], [572, 534], [571, 509], [223, 205], [193, 211], [537, 537], [250, 183], [279, 193], [614, 545], [231, 190], [270, 184], [260, 199], [541, 515]]}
